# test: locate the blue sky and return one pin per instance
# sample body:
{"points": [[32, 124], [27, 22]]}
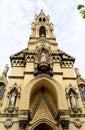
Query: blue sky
{"points": [[16, 17]]}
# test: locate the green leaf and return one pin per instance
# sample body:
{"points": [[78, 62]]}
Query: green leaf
{"points": [[83, 13], [80, 6]]}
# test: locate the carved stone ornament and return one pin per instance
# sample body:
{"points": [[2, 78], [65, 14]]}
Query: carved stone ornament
{"points": [[65, 124], [12, 109], [23, 124], [78, 123], [5, 70], [8, 123], [64, 121], [43, 60]]}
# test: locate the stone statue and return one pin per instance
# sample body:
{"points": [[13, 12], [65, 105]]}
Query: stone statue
{"points": [[43, 57], [73, 100], [13, 98]]}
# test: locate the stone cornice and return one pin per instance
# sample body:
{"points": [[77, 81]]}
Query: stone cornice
{"points": [[69, 78], [19, 59], [77, 115], [26, 72], [8, 114], [19, 54], [57, 73], [62, 112], [38, 38], [46, 40], [63, 55], [19, 77]]}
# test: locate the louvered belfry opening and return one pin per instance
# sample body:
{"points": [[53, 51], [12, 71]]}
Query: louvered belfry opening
{"points": [[42, 31]]}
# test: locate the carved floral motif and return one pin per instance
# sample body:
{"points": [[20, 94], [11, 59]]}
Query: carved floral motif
{"points": [[78, 123], [8, 123]]}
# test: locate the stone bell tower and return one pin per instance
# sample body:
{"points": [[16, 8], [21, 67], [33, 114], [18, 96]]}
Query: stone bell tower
{"points": [[44, 90]]}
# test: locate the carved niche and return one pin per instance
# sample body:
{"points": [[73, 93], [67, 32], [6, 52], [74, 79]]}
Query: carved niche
{"points": [[72, 98], [43, 61], [13, 98]]}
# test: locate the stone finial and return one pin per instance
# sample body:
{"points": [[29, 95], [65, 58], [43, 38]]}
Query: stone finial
{"points": [[5, 71], [77, 72]]}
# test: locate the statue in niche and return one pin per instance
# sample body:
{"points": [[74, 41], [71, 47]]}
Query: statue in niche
{"points": [[43, 57], [73, 99], [13, 98]]}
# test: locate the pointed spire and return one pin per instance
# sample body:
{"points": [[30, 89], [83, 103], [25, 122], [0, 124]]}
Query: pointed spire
{"points": [[42, 12]]}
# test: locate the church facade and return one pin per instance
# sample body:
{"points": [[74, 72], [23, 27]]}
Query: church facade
{"points": [[44, 90]]}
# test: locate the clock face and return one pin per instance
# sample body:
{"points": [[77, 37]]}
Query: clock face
{"points": [[2, 86]]}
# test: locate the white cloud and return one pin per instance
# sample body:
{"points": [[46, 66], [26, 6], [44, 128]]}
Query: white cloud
{"points": [[15, 27]]}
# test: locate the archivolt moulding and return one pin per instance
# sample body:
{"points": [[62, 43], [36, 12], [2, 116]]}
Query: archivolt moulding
{"points": [[45, 121]]}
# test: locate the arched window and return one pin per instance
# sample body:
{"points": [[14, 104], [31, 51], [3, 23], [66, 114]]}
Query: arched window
{"points": [[82, 91], [43, 19], [2, 88], [42, 31], [40, 19]]}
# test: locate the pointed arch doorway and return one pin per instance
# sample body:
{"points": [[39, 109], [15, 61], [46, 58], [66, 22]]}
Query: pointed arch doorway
{"points": [[43, 126]]}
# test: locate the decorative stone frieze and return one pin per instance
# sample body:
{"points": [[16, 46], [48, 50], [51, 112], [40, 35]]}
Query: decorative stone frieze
{"points": [[18, 63], [56, 58], [66, 64], [30, 57]]}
